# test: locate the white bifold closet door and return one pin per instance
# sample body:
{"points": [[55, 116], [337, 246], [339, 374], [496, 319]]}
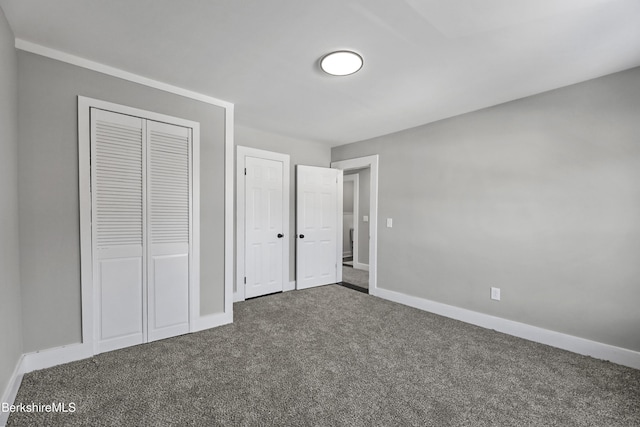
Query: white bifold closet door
{"points": [[168, 231], [141, 198], [118, 234]]}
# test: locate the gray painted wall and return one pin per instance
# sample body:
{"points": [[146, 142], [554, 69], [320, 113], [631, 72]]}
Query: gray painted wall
{"points": [[11, 341], [48, 185], [347, 197], [301, 152], [540, 197]]}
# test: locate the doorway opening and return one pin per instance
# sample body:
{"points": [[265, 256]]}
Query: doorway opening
{"points": [[355, 244], [360, 219]]}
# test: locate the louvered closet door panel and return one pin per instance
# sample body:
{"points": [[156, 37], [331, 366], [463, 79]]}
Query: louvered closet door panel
{"points": [[117, 185], [169, 201]]}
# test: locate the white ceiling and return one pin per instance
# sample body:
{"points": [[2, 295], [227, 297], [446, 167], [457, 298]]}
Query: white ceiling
{"points": [[425, 60]]}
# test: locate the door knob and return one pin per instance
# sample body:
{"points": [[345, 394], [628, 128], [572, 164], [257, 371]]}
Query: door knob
{"points": [[280, 235], [301, 236]]}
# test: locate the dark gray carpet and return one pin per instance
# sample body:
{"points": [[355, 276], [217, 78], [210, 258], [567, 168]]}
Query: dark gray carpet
{"points": [[331, 356], [355, 277]]}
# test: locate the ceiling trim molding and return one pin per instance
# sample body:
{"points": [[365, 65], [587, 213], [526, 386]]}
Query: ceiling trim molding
{"points": [[116, 72]]}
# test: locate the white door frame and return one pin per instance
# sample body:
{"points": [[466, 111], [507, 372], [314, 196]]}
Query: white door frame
{"points": [[89, 296], [372, 163], [355, 178], [242, 153]]}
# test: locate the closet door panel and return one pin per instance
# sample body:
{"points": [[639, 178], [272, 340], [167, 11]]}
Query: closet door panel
{"points": [[120, 292], [169, 218], [117, 182], [170, 274]]}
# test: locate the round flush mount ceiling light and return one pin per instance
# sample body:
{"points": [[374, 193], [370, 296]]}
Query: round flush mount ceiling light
{"points": [[341, 63]]}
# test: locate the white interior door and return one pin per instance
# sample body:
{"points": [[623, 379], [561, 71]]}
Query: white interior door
{"points": [[264, 229], [319, 226], [169, 217], [117, 176]]}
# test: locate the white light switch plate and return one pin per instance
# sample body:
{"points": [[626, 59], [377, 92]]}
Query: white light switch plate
{"points": [[365, 219], [389, 222], [495, 294]]}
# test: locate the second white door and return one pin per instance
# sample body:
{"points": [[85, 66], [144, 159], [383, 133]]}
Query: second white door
{"points": [[319, 225], [264, 229]]}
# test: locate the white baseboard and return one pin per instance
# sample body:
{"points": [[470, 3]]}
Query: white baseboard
{"points": [[212, 321], [621, 356], [70, 353], [56, 356], [237, 297], [48, 358], [360, 266], [40, 360], [9, 394]]}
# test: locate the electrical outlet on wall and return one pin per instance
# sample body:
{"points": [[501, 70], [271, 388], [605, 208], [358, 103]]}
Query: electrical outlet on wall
{"points": [[495, 294]]}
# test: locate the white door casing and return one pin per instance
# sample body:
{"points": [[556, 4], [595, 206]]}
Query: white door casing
{"points": [[371, 162], [264, 237], [319, 226]]}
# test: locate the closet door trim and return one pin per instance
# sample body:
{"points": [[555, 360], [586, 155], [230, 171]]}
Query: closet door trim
{"points": [[89, 343]]}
